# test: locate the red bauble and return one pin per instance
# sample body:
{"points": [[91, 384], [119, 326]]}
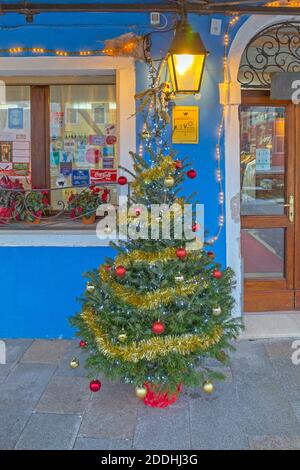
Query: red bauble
{"points": [[83, 344], [95, 385], [211, 254], [195, 227], [178, 164], [181, 253], [120, 271], [192, 173], [122, 180], [107, 267], [158, 328], [138, 211], [217, 274]]}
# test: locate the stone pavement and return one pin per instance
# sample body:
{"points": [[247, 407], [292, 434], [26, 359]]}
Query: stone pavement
{"points": [[46, 405]]}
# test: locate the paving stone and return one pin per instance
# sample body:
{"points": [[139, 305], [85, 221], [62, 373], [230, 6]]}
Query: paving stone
{"points": [[216, 422], [15, 348], [163, 429], [111, 413], [279, 349], [289, 376], [19, 395], [89, 443], [65, 395], [296, 408], [46, 352], [46, 431], [275, 443], [251, 362], [265, 409], [64, 368], [25, 384], [13, 421]]}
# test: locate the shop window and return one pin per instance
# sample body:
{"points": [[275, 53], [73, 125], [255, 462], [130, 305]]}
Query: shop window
{"points": [[62, 137], [15, 135]]}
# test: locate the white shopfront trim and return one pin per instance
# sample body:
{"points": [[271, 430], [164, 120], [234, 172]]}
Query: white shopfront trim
{"points": [[247, 31], [78, 66]]}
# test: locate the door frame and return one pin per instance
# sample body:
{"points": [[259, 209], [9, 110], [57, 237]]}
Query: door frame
{"points": [[243, 36], [260, 295]]}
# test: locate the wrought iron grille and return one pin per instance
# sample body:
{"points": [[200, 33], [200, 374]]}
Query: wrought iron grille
{"points": [[275, 49]]}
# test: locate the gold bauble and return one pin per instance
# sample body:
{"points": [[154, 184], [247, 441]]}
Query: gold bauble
{"points": [[140, 392], [179, 278], [107, 229], [122, 337], [145, 134], [217, 311], [74, 363], [90, 287], [169, 181], [208, 387]]}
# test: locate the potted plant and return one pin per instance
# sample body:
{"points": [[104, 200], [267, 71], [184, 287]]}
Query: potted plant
{"points": [[10, 192], [32, 206], [85, 204]]}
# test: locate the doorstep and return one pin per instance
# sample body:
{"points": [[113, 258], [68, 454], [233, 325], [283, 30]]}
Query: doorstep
{"points": [[271, 325]]}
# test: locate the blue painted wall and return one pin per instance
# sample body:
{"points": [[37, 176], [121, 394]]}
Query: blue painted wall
{"points": [[39, 286]]}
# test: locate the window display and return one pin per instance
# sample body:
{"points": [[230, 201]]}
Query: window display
{"points": [[83, 138], [15, 151]]}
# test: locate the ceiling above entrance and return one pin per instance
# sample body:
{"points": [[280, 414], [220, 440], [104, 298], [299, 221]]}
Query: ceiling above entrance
{"points": [[204, 7]]}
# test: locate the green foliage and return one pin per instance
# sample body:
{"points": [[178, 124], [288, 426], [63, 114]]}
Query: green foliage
{"points": [[85, 203], [185, 314]]}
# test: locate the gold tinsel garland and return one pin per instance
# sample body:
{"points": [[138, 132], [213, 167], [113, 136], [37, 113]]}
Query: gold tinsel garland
{"points": [[144, 256], [152, 348], [157, 172], [150, 300]]}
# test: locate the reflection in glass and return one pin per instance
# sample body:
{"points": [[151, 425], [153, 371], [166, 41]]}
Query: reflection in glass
{"points": [[83, 147], [15, 139], [263, 252], [262, 160]]}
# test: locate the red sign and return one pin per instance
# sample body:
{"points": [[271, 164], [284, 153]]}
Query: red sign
{"points": [[103, 176]]}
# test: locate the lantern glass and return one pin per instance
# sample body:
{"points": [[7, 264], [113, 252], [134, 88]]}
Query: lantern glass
{"points": [[186, 72], [186, 59]]}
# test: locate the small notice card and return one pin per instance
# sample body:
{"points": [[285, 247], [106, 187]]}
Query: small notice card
{"points": [[185, 124]]}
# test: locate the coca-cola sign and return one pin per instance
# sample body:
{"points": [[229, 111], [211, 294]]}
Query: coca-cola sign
{"points": [[103, 176]]}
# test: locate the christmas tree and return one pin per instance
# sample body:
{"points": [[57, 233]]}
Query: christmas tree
{"points": [[154, 312]]}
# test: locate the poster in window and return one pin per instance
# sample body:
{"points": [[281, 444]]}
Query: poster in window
{"points": [[99, 114], [263, 159], [6, 151], [80, 178], [21, 169], [15, 118]]}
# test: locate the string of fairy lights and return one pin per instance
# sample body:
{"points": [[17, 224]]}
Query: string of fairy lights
{"points": [[218, 148], [126, 49]]}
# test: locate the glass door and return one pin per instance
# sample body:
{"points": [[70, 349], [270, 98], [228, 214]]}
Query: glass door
{"points": [[267, 203]]}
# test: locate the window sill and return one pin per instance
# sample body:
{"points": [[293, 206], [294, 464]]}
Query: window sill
{"points": [[46, 237]]}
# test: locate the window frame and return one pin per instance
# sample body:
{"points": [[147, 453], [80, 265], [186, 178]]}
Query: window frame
{"points": [[56, 68]]}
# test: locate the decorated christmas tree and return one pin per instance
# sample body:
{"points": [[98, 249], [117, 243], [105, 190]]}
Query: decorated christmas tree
{"points": [[151, 315]]}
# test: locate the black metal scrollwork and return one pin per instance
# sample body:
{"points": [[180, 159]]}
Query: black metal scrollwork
{"points": [[275, 49]]}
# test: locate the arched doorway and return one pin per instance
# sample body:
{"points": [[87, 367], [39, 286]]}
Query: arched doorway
{"points": [[262, 173]]}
